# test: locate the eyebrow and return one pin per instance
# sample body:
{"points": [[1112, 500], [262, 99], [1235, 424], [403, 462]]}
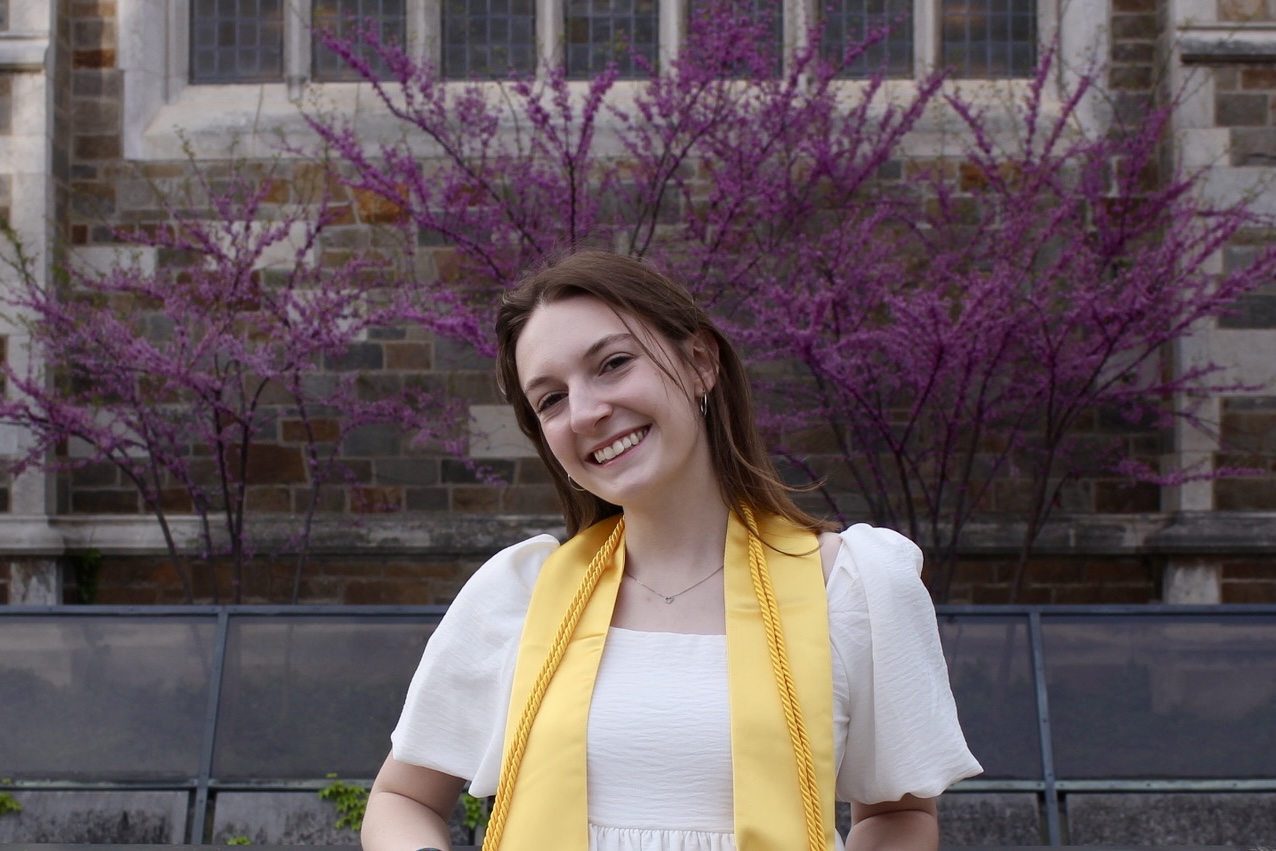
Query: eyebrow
{"points": [[595, 347]]}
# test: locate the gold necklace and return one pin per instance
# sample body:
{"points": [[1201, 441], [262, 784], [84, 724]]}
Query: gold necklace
{"points": [[669, 598]]}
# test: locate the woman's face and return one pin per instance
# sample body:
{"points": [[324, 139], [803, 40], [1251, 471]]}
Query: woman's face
{"points": [[619, 425]]}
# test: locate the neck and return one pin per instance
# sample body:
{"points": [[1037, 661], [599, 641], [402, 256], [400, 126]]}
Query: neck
{"points": [[686, 539]]}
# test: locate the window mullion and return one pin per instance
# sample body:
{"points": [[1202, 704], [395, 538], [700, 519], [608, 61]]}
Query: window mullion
{"points": [[926, 51], [673, 30], [297, 50], [799, 16], [178, 54], [425, 31], [549, 33]]}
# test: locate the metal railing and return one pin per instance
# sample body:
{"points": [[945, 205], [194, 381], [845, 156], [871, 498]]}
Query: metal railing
{"points": [[1055, 700]]}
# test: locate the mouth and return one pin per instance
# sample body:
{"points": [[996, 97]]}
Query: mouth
{"points": [[620, 445]]}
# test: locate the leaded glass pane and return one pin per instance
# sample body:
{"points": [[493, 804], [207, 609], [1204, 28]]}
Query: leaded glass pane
{"points": [[305, 696], [236, 41], [488, 38], [604, 31], [990, 669], [1165, 697], [989, 38], [348, 20], [104, 698], [848, 24]]}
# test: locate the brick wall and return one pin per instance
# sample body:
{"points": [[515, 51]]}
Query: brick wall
{"points": [[1059, 580], [371, 580]]}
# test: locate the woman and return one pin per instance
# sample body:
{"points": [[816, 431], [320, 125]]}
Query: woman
{"points": [[661, 682]]}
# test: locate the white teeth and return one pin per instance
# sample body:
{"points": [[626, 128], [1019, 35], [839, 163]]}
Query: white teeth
{"points": [[630, 440]]}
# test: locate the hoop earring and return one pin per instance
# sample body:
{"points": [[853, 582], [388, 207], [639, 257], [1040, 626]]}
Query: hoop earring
{"points": [[571, 483], [704, 405]]}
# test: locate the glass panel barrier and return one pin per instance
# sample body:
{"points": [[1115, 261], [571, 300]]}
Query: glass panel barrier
{"points": [[304, 697], [1168, 696], [104, 698], [990, 668]]}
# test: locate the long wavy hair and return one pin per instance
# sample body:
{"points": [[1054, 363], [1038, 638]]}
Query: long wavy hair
{"points": [[637, 292]]}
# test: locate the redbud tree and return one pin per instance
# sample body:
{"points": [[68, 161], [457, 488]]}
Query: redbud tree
{"points": [[221, 356], [919, 343]]}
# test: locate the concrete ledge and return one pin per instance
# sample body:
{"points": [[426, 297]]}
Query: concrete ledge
{"points": [[292, 818], [441, 535], [94, 817], [479, 535], [990, 818], [22, 51], [1227, 43], [279, 818], [1178, 818]]}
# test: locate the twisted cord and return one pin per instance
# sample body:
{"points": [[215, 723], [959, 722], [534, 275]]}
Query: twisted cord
{"points": [[807, 781], [518, 744]]}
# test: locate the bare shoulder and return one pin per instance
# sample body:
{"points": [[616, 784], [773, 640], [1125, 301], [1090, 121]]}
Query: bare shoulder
{"points": [[830, 543]]}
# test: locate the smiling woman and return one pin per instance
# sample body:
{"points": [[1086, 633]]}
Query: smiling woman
{"points": [[753, 667]]}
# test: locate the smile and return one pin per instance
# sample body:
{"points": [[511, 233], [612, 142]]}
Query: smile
{"points": [[620, 445]]}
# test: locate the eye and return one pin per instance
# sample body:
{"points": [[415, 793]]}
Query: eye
{"points": [[616, 362], [548, 401]]}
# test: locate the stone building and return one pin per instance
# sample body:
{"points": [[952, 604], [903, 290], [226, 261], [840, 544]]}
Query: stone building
{"points": [[100, 99]]}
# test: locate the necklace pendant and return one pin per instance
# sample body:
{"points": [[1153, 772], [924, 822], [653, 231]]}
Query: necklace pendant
{"points": [[669, 600]]}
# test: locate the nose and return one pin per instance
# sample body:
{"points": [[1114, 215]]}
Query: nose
{"points": [[587, 410]]}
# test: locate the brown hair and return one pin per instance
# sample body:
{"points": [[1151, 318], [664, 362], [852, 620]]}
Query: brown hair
{"points": [[635, 289]]}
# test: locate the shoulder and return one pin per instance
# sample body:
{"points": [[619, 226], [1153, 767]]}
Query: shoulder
{"points": [[505, 581], [863, 547]]}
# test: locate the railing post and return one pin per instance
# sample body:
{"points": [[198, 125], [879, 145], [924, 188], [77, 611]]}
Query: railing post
{"points": [[1053, 833], [199, 819]]}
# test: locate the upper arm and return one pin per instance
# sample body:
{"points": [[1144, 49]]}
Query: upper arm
{"points": [[433, 789], [830, 543], [861, 811]]}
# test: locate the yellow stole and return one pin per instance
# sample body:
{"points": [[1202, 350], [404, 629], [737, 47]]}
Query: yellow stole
{"points": [[781, 711]]}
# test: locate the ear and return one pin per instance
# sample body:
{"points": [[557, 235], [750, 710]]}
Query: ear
{"points": [[702, 351]]}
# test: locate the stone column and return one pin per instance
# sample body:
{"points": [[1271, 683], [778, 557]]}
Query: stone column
{"points": [[1192, 582], [35, 582]]}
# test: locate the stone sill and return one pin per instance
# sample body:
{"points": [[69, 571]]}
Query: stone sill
{"points": [[1217, 44], [22, 51], [477, 536], [454, 535]]}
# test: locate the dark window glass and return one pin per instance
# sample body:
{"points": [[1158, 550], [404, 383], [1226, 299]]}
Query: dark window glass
{"points": [[236, 41], [603, 31], [104, 698], [989, 38], [849, 23], [346, 19], [305, 696], [488, 38], [990, 668], [1126, 695]]}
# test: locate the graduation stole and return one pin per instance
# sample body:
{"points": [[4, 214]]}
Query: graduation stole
{"points": [[779, 671]]}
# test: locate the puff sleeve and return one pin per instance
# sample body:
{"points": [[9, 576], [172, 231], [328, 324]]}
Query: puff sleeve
{"points": [[453, 718], [894, 707]]}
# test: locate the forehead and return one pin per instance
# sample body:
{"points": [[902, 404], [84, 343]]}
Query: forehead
{"points": [[561, 332]]}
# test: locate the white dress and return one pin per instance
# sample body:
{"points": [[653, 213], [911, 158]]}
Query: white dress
{"points": [[659, 748]]}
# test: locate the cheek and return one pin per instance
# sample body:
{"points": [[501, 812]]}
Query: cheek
{"points": [[558, 441]]}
